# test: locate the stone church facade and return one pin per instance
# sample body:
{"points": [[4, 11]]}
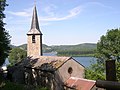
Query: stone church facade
{"points": [[45, 71]]}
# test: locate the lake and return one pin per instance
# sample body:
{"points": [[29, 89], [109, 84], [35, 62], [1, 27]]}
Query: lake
{"points": [[85, 61]]}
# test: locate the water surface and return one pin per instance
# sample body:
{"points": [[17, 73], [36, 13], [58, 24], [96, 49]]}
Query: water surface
{"points": [[85, 61]]}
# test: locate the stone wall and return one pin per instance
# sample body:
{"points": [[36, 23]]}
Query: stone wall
{"points": [[34, 48], [71, 69], [46, 75]]}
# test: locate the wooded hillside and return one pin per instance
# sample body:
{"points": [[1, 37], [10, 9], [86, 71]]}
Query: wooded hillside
{"points": [[85, 49]]}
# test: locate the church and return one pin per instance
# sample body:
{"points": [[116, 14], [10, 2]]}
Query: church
{"points": [[54, 72]]}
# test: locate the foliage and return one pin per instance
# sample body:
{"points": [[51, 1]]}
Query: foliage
{"points": [[94, 72], [12, 86], [45, 48], [79, 47], [76, 53], [43, 88], [23, 46], [86, 49], [108, 48], [109, 45], [4, 36], [12, 46], [118, 70], [7, 85], [17, 55]]}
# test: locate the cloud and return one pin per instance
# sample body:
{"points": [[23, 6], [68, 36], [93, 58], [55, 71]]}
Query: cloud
{"points": [[24, 13], [75, 11], [71, 13], [51, 16], [51, 13], [50, 10]]}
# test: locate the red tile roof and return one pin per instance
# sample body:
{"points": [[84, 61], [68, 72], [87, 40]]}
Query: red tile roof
{"points": [[79, 83]]}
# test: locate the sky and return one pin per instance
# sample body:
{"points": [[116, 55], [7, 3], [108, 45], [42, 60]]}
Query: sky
{"points": [[62, 22]]}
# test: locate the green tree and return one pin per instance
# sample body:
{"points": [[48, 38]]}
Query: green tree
{"points": [[4, 36], [95, 71], [17, 55], [108, 48]]}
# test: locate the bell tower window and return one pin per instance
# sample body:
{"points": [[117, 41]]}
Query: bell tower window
{"points": [[33, 38]]}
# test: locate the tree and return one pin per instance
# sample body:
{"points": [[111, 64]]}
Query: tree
{"points": [[108, 48], [95, 71], [109, 45], [17, 55], [4, 35]]}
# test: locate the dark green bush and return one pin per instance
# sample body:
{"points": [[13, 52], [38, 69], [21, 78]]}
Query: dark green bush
{"points": [[12, 86]]}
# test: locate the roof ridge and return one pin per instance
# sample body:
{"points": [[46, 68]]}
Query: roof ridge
{"points": [[52, 56]]}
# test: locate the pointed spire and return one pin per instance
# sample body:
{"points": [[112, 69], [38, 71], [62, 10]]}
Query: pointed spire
{"points": [[35, 24]]}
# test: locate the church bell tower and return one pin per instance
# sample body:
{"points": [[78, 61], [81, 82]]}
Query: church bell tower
{"points": [[34, 37]]}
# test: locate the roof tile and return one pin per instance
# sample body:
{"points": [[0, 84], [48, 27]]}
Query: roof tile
{"points": [[55, 61], [79, 83]]}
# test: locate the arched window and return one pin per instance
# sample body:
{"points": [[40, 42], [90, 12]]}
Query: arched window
{"points": [[33, 38]]}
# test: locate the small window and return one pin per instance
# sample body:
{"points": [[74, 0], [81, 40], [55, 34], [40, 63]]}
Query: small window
{"points": [[33, 38], [70, 70]]}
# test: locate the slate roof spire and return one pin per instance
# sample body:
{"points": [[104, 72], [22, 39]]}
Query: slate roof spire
{"points": [[34, 24]]}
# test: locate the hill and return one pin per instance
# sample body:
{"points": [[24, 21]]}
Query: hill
{"points": [[45, 47], [85, 49], [12, 46], [84, 46]]}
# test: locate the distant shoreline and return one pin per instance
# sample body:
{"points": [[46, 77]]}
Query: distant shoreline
{"points": [[90, 55], [56, 54]]}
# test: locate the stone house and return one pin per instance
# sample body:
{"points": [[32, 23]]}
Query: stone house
{"points": [[49, 71]]}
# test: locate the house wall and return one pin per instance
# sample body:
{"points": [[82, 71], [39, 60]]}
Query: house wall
{"points": [[58, 82], [34, 48], [77, 70]]}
